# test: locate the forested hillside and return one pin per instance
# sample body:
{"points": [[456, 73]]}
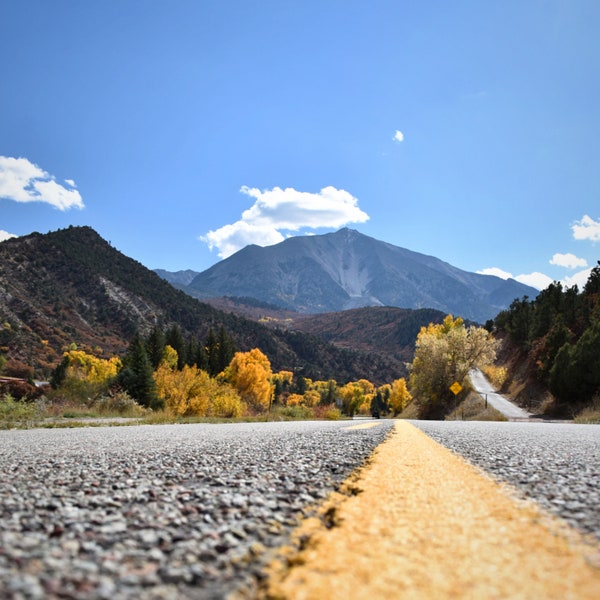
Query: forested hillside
{"points": [[72, 287], [558, 335]]}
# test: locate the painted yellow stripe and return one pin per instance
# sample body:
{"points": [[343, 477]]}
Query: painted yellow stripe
{"points": [[364, 425], [424, 524]]}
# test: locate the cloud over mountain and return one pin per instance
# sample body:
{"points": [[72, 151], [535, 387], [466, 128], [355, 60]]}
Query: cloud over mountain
{"points": [[4, 235], [278, 211]]}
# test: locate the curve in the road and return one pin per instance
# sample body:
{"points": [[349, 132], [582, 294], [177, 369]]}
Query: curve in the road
{"points": [[500, 403]]}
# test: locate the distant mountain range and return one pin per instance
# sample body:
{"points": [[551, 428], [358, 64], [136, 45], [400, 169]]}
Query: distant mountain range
{"points": [[346, 269]]}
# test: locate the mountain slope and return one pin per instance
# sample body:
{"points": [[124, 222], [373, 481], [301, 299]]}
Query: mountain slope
{"points": [[177, 278], [382, 330], [346, 269], [71, 286]]}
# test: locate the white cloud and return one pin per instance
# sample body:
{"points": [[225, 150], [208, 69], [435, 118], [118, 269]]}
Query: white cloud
{"points": [[586, 229], [231, 238], [569, 261], [279, 211], [579, 279], [496, 272], [4, 235], [22, 181], [536, 279], [398, 136]]}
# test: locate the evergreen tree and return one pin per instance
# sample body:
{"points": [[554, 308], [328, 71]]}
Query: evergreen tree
{"points": [[174, 338], [212, 352], [60, 373], [155, 347], [136, 376], [191, 351], [200, 357], [378, 405], [330, 395], [226, 349], [300, 387]]}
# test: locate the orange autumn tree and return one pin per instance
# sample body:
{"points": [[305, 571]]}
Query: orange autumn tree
{"points": [[250, 373]]}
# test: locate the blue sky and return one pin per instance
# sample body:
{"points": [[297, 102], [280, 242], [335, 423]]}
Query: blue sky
{"points": [[183, 130]]}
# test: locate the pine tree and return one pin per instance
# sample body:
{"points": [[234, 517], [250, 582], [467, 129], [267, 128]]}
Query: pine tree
{"points": [[212, 351], [136, 376], [226, 349], [174, 338], [155, 346]]}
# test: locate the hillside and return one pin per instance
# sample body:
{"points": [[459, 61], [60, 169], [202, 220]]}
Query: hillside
{"points": [[345, 270], [384, 330], [71, 286], [552, 348]]}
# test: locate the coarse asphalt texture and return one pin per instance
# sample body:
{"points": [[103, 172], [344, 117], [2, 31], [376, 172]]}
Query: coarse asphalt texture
{"points": [[422, 523], [555, 464], [161, 511], [197, 511]]}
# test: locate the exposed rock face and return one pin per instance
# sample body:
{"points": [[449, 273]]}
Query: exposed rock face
{"points": [[346, 269]]}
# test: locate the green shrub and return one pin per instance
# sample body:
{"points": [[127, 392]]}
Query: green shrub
{"points": [[17, 413], [120, 403]]}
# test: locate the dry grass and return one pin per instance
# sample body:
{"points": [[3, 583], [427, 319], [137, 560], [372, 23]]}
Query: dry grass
{"points": [[591, 414], [473, 408]]}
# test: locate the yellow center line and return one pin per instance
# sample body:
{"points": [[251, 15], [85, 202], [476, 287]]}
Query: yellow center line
{"points": [[363, 425], [425, 524]]}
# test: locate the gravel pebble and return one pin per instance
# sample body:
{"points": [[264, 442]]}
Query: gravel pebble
{"points": [[555, 464], [161, 512]]}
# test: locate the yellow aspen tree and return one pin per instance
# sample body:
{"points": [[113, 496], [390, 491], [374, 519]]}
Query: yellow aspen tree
{"points": [[294, 400], [399, 397], [353, 397], [311, 398], [86, 376], [225, 401], [250, 373], [445, 353], [185, 392], [89, 368]]}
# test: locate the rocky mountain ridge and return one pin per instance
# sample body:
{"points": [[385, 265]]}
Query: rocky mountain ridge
{"points": [[345, 270]]}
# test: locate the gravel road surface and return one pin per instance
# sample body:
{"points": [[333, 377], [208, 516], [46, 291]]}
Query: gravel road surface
{"points": [[556, 464], [499, 402], [173, 511]]}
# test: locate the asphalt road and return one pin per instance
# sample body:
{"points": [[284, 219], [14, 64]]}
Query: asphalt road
{"points": [[195, 511], [422, 523], [499, 402], [555, 464], [165, 511]]}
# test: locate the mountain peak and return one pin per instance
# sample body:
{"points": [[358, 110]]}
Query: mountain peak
{"points": [[347, 269]]}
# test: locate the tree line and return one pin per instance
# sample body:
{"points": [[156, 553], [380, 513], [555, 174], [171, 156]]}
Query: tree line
{"points": [[560, 332], [165, 371]]}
